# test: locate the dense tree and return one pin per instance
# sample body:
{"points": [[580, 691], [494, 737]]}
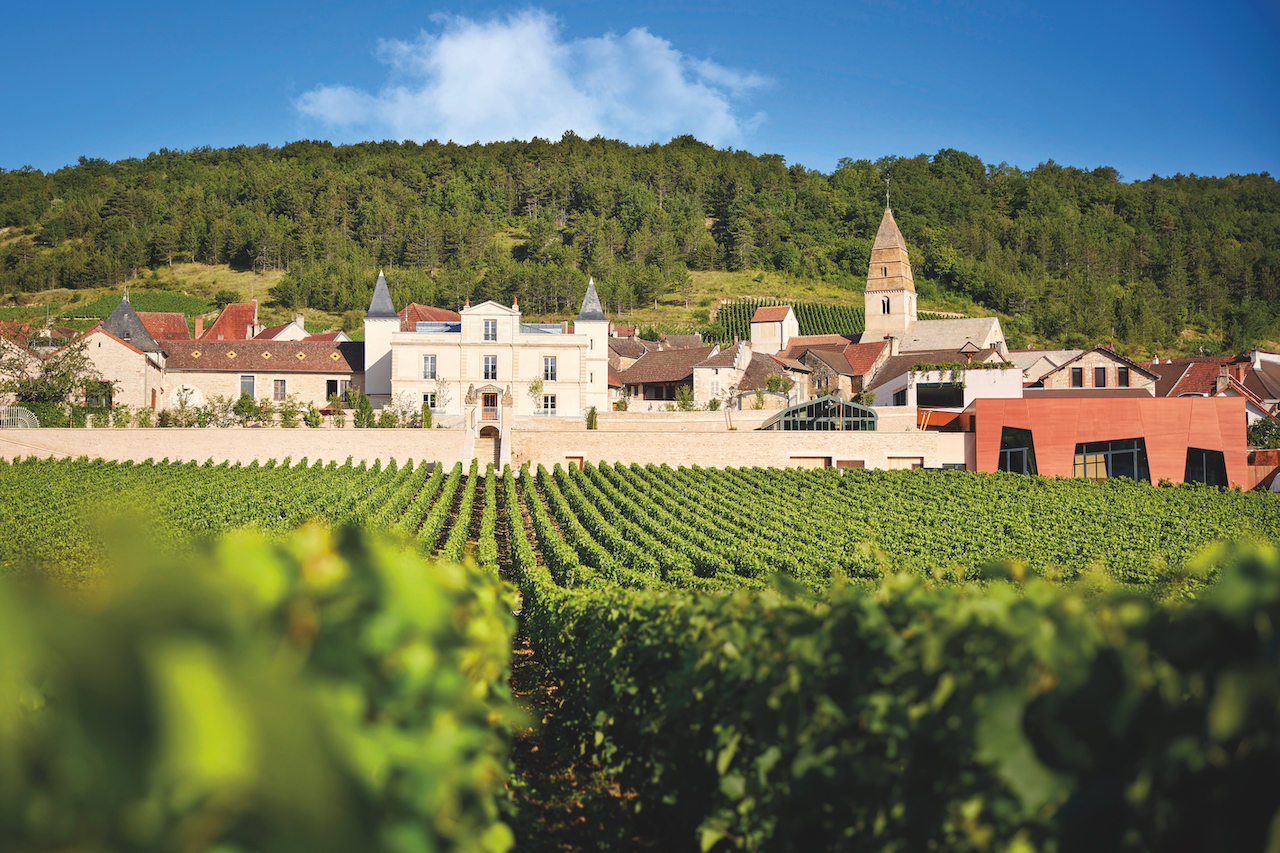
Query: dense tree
{"points": [[1072, 251]]}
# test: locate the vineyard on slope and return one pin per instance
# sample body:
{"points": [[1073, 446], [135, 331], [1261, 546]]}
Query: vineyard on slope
{"points": [[733, 319]]}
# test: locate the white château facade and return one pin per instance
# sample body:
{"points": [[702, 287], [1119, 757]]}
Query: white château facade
{"points": [[484, 365]]}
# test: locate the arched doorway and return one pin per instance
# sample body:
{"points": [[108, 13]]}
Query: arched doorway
{"points": [[488, 447]]}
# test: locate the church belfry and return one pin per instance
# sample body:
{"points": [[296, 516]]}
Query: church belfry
{"points": [[890, 297]]}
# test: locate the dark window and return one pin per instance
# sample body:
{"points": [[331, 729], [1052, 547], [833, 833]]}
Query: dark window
{"points": [[246, 385], [1206, 466], [900, 397], [490, 330], [942, 394], [490, 367], [1127, 457], [278, 390], [1017, 451], [330, 388], [1077, 377], [1122, 377], [549, 368], [1099, 377]]}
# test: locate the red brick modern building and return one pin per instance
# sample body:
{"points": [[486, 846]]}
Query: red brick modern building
{"points": [[1180, 439]]}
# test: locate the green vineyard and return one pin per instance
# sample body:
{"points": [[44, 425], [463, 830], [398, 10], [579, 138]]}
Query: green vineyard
{"points": [[750, 659], [733, 319]]}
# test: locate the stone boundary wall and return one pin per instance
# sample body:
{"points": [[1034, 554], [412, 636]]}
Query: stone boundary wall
{"points": [[238, 444], [741, 449], [709, 449]]}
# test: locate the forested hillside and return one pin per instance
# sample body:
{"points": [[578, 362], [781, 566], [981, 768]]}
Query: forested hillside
{"points": [[1069, 255]]}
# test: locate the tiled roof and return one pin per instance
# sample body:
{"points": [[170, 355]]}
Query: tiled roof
{"points": [[269, 333], [681, 341], [266, 356], [771, 314], [724, 358], [862, 357], [851, 359], [797, 345], [414, 313], [631, 347], [327, 336], [947, 334], [896, 365], [1024, 358], [624, 331], [615, 378], [166, 325], [18, 331], [673, 365], [1264, 380], [234, 323], [757, 374]]}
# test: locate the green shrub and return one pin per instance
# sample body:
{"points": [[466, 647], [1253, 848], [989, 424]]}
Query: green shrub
{"points": [[305, 694]]}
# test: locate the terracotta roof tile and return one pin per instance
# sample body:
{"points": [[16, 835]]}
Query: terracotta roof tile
{"points": [[757, 374], [266, 356], [724, 358], [665, 366], [682, 341], [165, 325], [797, 345], [771, 313], [413, 313], [234, 323], [631, 347]]}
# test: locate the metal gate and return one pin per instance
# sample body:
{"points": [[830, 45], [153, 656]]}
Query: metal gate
{"points": [[16, 417]]}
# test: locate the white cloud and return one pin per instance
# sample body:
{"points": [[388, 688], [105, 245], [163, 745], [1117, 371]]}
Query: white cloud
{"points": [[515, 78]]}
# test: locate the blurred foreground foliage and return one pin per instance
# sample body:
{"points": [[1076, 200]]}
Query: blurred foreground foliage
{"points": [[319, 691]]}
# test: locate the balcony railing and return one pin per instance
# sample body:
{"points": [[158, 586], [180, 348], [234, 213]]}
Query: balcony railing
{"points": [[489, 413]]}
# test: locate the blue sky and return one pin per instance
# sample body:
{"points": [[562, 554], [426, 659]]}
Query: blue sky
{"points": [[1144, 87]]}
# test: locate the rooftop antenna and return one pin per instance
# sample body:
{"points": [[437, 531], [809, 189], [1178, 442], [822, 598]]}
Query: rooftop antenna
{"points": [[886, 193]]}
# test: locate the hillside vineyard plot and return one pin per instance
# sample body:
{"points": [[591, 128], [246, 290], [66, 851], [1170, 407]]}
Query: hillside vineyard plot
{"points": [[763, 659]]}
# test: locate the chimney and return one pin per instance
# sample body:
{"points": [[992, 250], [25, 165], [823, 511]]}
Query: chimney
{"points": [[300, 320], [893, 345], [199, 326], [1221, 381]]}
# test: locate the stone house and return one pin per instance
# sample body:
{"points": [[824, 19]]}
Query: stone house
{"points": [[1100, 370]]}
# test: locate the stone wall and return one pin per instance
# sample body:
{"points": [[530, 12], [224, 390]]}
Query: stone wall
{"points": [[693, 447], [238, 444]]}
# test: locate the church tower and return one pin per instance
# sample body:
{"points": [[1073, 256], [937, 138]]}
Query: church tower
{"points": [[890, 297]]}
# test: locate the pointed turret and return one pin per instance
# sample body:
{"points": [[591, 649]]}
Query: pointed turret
{"points": [[380, 324], [890, 297], [126, 325], [592, 324], [381, 306], [592, 311]]}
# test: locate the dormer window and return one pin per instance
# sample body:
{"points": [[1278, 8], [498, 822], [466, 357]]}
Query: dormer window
{"points": [[490, 330]]}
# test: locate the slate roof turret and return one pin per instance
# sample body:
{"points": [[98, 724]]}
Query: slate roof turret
{"points": [[592, 311], [381, 306], [125, 324]]}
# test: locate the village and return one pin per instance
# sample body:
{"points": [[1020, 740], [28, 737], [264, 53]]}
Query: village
{"points": [[905, 393]]}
